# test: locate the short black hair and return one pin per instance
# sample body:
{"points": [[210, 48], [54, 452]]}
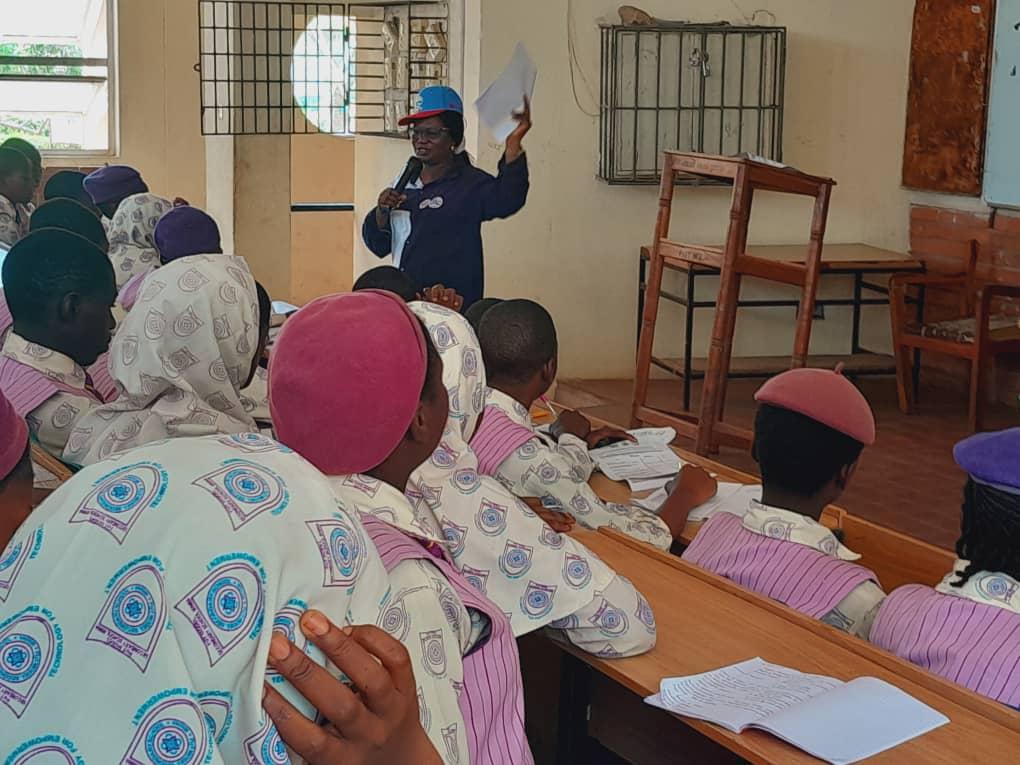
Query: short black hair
{"points": [[26, 149], [518, 338], [388, 279], [13, 161], [66, 214], [477, 310], [66, 184], [989, 532], [22, 471], [46, 265], [799, 454], [265, 307]]}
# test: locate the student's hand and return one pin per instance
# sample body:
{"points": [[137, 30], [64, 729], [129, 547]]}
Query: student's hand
{"points": [[513, 141], [444, 296], [557, 520], [608, 433], [181, 202], [574, 423], [374, 723], [695, 484]]}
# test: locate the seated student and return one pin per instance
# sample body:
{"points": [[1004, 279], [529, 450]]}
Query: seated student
{"points": [[70, 184], [59, 289], [70, 216], [536, 575], [391, 394], [132, 214], [183, 231], [398, 282], [477, 310], [162, 585], [35, 162], [519, 347], [811, 427], [15, 192], [966, 629], [109, 186], [63, 214], [181, 359]]}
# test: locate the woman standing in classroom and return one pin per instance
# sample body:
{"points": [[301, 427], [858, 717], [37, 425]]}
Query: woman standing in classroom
{"points": [[432, 227]]}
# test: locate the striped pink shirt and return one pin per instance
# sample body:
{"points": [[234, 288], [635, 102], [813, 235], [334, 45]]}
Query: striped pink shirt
{"points": [[974, 644], [493, 699], [496, 438], [803, 578], [6, 320]]}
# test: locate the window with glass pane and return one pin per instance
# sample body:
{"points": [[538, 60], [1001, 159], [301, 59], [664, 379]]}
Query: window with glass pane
{"points": [[55, 74]]}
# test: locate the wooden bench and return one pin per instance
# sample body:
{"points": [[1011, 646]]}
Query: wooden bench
{"points": [[705, 622]]}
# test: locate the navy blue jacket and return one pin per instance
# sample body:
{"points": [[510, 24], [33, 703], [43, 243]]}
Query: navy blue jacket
{"points": [[445, 245]]}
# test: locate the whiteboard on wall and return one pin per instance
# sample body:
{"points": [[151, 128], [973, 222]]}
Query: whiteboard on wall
{"points": [[1002, 154]]}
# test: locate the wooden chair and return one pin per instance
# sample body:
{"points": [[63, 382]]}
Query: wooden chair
{"points": [[978, 335], [733, 263]]}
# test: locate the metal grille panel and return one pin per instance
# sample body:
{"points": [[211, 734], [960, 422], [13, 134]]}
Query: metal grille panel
{"points": [[282, 67], [711, 88]]}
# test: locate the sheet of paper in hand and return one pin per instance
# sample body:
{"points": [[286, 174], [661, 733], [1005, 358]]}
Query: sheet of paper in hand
{"points": [[496, 106]]}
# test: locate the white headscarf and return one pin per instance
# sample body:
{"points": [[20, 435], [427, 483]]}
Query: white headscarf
{"points": [[138, 606], [132, 247], [531, 572], [180, 358]]}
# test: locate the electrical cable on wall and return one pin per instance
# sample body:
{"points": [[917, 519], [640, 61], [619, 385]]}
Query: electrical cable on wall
{"points": [[575, 65]]}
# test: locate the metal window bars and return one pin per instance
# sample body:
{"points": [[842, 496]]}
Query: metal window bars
{"points": [[284, 68], [710, 88]]}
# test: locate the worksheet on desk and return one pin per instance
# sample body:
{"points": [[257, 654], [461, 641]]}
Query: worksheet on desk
{"points": [[648, 457]]}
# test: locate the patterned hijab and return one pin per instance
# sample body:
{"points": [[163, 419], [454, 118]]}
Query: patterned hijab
{"points": [[132, 244], [138, 602], [503, 548], [180, 358]]}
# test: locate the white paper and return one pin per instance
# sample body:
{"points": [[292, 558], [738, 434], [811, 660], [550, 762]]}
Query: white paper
{"points": [[496, 106], [649, 484], [739, 695], [283, 308], [882, 717], [838, 722], [649, 458], [732, 498]]}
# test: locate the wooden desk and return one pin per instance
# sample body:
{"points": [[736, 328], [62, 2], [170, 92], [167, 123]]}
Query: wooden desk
{"points": [[859, 261], [705, 622]]}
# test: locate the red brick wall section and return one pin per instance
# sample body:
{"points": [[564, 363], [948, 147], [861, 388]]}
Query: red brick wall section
{"points": [[941, 238]]}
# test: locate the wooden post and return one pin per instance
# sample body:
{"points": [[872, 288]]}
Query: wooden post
{"points": [[813, 270], [717, 368], [652, 287]]}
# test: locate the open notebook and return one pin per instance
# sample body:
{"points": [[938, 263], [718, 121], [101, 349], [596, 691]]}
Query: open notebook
{"points": [[834, 721], [650, 457]]}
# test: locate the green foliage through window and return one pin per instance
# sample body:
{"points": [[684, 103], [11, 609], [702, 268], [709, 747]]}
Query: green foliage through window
{"points": [[40, 50]]}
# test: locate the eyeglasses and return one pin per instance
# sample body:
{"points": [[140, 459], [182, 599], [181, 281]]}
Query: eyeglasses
{"points": [[427, 134]]}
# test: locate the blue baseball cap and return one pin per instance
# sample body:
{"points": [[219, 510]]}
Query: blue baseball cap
{"points": [[435, 100]]}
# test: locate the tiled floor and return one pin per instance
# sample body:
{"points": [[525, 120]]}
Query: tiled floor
{"points": [[907, 480]]}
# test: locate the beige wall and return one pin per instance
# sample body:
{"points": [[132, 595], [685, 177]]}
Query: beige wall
{"points": [[574, 246], [160, 132]]}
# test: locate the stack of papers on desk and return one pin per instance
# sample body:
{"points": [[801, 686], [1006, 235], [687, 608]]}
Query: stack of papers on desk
{"points": [[649, 458], [834, 721]]}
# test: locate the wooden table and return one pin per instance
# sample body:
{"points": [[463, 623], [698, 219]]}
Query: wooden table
{"points": [[855, 260], [705, 622]]}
